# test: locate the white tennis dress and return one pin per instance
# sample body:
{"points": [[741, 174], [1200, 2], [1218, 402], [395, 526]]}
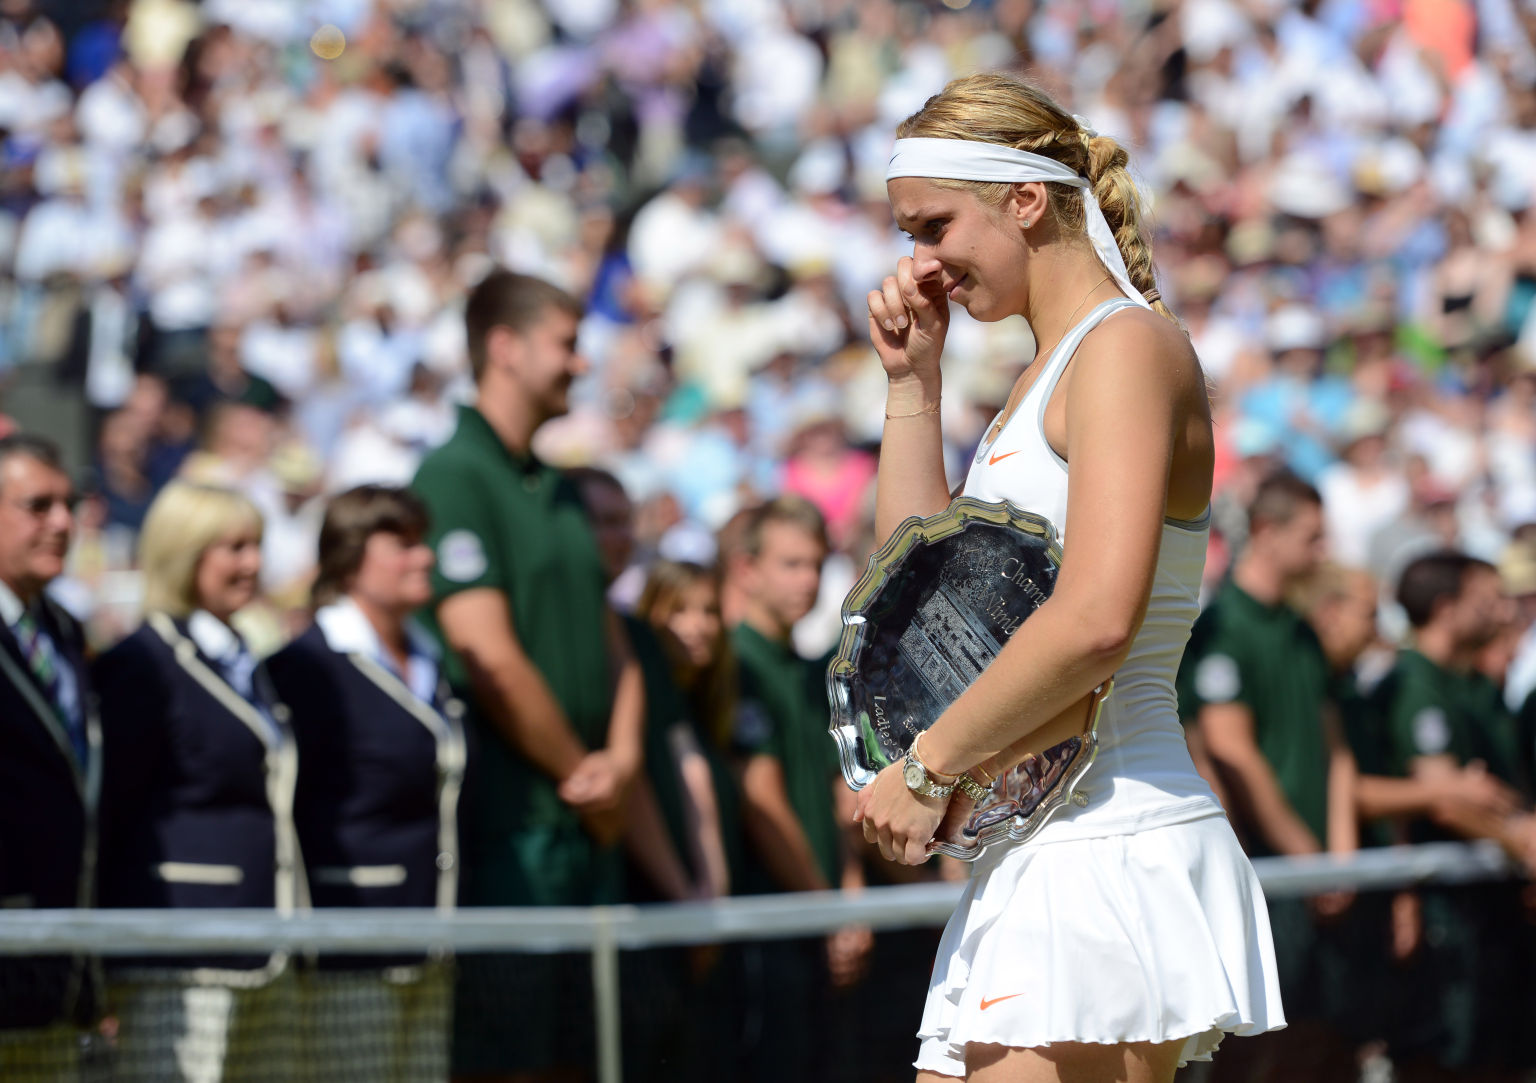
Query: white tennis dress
{"points": [[1135, 917]]}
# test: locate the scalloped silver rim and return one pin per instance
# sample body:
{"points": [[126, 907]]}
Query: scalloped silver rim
{"points": [[909, 533]]}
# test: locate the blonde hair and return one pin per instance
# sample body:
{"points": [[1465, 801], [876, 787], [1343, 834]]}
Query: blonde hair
{"points": [[184, 520], [996, 108]]}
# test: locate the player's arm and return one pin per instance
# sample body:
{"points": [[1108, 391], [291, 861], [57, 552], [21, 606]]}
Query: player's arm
{"points": [[477, 623], [1229, 738], [911, 477], [1121, 422], [773, 827]]}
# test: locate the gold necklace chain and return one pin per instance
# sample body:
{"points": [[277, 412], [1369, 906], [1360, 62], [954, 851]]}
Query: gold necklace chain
{"points": [[1013, 399]]}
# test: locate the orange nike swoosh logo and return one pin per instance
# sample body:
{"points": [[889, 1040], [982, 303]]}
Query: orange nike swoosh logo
{"points": [[985, 1003], [993, 461]]}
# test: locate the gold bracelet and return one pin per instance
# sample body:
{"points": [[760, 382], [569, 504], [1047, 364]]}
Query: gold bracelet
{"points": [[931, 408], [985, 774]]}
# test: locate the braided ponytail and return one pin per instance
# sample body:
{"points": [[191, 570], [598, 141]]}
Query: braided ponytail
{"points": [[996, 108], [1120, 200]]}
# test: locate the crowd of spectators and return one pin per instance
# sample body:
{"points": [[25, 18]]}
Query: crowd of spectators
{"points": [[237, 236], [227, 256]]}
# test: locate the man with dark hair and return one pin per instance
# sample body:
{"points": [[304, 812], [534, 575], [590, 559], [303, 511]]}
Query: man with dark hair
{"points": [[1254, 683], [556, 696], [1441, 716], [512, 302], [50, 767]]}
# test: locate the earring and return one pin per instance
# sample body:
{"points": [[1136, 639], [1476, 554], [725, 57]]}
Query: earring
{"points": [[1027, 223]]}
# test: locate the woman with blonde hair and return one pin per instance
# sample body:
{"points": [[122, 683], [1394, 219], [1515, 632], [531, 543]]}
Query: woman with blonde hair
{"points": [[197, 793], [1129, 935]]}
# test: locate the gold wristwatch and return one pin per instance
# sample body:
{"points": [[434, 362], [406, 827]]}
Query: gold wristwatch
{"points": [[921, 781]]}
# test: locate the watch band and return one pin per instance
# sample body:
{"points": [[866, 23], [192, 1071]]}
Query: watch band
{"points": [[976, 791]]}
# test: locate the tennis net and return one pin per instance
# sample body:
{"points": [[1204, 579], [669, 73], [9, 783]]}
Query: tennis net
{"points": [[624, 992]]}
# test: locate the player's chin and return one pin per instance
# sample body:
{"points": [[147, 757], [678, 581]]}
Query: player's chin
{"points": [[982, 308]]}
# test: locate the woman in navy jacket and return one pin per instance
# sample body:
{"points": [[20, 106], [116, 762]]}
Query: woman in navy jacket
{"points": [[381, 761], [197, 792]]}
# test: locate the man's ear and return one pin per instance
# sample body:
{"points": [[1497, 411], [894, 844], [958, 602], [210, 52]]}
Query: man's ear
{"points": [[503, 348], [741, 569], [1441, 605]]}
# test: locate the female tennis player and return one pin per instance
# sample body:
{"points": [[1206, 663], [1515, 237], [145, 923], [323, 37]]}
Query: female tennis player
{"points": [[1129, 936]]}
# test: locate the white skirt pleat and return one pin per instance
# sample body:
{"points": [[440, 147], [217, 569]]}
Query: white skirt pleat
{"points": [[1147, 937]]}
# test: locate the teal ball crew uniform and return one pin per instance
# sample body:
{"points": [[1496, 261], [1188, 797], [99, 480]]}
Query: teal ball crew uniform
{"points": [[516, 525], [1267, 658], [1472, 975], [511, 523]]}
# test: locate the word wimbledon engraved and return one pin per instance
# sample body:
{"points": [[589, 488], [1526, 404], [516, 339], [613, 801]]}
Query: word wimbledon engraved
{"points": [[936, 604]]}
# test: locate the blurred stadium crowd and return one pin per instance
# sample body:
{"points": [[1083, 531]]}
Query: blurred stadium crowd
{"points": [[237, 252]]}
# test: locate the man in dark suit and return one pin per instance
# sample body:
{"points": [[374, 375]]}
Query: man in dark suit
{"points": [[50, 769]]}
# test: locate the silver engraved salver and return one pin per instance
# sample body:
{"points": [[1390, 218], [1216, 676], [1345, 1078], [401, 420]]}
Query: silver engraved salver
{"points": [[932, 610]]}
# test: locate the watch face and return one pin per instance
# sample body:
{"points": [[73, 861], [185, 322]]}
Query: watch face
{"points": [[914, 774]]}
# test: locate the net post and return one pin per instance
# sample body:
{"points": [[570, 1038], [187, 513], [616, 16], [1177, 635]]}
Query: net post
{"points": [[605, 995]]}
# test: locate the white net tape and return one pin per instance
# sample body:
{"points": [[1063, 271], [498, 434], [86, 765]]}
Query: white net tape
{"points": [[549, 929]]}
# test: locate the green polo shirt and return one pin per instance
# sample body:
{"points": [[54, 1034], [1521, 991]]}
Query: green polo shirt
{"points": [[1429, 710], [1365, 733], [511, 523], [1267, 658], [1472, 976], [783, 713]]}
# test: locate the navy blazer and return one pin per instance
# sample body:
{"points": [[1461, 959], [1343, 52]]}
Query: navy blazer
{"points": [[379, 778], [48, 807], [197, 798]]}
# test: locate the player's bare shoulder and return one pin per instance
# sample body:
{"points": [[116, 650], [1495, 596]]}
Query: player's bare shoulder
{"points": [[1139, 347]]}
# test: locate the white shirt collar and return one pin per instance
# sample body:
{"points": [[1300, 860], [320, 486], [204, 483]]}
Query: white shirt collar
{"points": [[11, 608], [213, 637], [348, 631]]}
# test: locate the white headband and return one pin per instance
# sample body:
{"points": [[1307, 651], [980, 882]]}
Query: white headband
{"points": [[963, 159]]}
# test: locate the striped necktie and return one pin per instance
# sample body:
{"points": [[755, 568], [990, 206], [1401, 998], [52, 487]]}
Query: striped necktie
{"points": [[38, 653], [43, 660]]}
